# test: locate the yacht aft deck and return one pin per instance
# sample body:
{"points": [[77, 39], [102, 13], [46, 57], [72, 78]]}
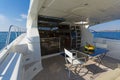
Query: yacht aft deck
{"points": [[54, 69]]}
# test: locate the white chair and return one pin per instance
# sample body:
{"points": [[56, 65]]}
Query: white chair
{"points": [[72, 59]]}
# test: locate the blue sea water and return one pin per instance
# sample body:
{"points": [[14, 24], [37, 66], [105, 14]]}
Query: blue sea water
{"points": [[108, 35], [3, 37]]}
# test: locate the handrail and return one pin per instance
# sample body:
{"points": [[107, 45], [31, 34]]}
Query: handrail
{"points": [[9, 33]]}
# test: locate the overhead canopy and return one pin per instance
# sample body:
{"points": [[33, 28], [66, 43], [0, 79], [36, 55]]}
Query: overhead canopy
{"points": [[48, 18], [94, 11]]}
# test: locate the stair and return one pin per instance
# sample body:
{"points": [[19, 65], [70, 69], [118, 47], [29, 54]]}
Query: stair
{"points": [[75, 36]]}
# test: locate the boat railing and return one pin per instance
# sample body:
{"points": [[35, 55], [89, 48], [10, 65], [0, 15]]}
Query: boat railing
{"points": [[17, 30]]}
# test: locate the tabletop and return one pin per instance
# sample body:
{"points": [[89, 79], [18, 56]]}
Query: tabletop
{"points": [[96, 52], [99, 51]]}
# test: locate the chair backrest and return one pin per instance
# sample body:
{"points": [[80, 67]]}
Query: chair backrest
{"points": [[101, 45], [68, 53]]}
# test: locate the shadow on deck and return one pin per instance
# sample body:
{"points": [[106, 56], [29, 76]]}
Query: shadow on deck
{"points": [[54, 69]]}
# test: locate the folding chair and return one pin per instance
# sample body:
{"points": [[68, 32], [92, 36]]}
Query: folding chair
{"points": [[72, 59]]}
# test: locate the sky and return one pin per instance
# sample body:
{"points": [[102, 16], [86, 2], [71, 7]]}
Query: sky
{"points": [[108, 26], [13, 12]]}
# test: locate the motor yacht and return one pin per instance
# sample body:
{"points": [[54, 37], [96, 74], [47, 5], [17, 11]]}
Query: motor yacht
{"points": [[53, 25]]}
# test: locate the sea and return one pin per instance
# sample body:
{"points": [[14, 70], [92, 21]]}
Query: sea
{"points": [[108, 35], [3, 38]]}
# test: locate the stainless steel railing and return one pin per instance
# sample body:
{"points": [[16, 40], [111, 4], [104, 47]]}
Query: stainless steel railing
{"points": [[17, 31]]}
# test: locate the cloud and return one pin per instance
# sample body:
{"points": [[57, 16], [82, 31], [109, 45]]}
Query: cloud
{"points": [[19, 20], [23, 16], [3, 18], [5, 22]]}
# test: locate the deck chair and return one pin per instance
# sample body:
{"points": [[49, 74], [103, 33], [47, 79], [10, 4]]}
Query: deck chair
{"points": [[72, 59]]}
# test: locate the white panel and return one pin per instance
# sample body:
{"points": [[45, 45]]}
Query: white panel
{"points": [[33, 54], [65, 5], [113, 47], [101, 45], [32, 71], [68, 53], [99, 40], [33, 42], [101, 10], [56, 13]]}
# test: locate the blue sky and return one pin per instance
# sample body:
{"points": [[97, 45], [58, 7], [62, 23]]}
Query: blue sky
{"points": [[112, 25], [13, 12]]}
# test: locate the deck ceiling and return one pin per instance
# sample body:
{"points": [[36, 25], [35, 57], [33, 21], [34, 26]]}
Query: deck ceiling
{"points": [[76, 10]]}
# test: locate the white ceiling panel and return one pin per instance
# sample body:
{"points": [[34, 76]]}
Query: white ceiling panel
{"points": [[103, 10], [54, 13]]}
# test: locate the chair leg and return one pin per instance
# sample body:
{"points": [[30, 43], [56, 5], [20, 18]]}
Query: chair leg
{"points": [[69, 72], [102, 56], [100, 61], [80, 68], [76, 68], [69, 76]]}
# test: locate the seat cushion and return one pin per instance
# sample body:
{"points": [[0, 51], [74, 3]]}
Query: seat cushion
{"points": [[110, 75]]}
